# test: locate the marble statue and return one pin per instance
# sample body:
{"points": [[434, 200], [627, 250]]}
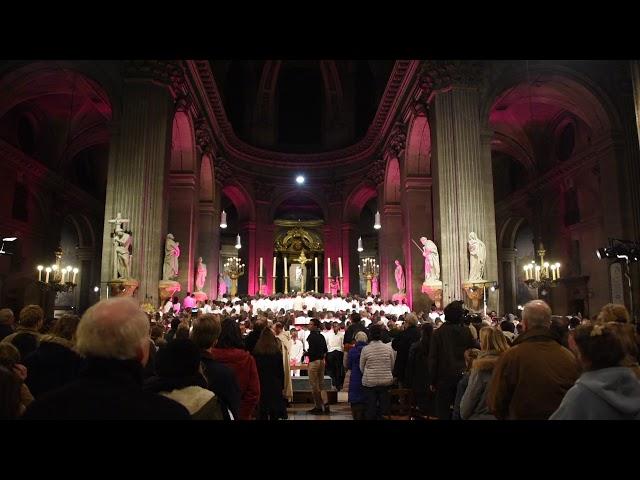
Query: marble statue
{"points": [[431, 260], [399, 273], [121, 245], [171, 254], [374, 286], [201, 275], [477, 258], [222, 286]]}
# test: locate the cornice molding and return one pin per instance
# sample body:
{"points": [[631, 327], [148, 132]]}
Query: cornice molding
{"points": [[350, 159]]}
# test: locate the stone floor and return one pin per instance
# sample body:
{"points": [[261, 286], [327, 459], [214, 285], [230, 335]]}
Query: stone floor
{"points": [[339, 411]]}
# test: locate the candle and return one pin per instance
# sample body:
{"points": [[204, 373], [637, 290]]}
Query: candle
{"points": [[538, 272], [557, 270], [261, 266], [328, 267], [40, 268], [316, 264], [340, 266], [75, 272], [285, 267], [274, 267], [48, 270]]}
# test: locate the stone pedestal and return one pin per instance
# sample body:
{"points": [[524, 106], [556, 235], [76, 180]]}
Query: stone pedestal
{"points": [[474, 293], [200, 296], [433, 290], [399, 296], [167, 289], [123, 287]]}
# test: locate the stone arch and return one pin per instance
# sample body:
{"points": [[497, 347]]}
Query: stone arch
{"points": [[392, 190], [295, 192], [183, 144], [241, 200], [417, 154], [356, 201], [207, 182]]}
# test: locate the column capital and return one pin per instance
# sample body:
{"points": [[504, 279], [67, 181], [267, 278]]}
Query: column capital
{"points": [[166, 72], [508, 254], [397, 139], [182, 180], [375, 174], [348, 226], [222, 170], [438, 75], [392, 209], [249, 226], [417, 183], [85, 253], [207, 208]]}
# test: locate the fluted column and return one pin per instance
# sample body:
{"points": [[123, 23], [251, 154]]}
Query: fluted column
{"points": [[463, 186], [86, 257], [248, 283], [136, 184], [390, 236], [183, 216], [418, 222], [350, 258], [508, 280], [209, 245]]}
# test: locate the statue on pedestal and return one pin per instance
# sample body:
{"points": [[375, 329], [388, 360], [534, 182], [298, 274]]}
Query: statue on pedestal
{"points": [[222, 286], [399, 274], [431, 261], [171, 254], [121, 246], [477, 258], [201, 275]]}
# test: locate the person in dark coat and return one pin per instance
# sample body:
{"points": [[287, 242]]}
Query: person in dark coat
{"points": [[114, 337], [417, 371], [56, 362], [268, 355], [251, 339], [446, 358], [357, 325], [401, 344], [175, 323], [220, 378], [357, 397]]}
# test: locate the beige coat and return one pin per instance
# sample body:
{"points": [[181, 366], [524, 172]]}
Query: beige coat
{"points": [[285, 341]]}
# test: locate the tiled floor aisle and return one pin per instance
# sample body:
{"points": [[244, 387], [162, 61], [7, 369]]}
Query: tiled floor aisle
{"points": [[339, 411]]}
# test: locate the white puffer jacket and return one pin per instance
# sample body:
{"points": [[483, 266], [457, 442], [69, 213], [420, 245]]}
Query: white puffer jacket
{"points": [[376, 364]]}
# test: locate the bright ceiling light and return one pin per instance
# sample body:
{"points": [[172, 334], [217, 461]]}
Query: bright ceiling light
{"points": [[300, 179]]}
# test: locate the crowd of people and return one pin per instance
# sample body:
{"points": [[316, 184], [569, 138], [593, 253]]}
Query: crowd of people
{"points": [[238, 358]]}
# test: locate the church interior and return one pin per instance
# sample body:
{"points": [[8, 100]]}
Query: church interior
{"points": [[419, 183]]}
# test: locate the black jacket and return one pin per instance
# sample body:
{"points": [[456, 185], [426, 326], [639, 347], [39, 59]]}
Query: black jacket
{"points": [[417, 371], [271, 375], [386, 338], [401, 344], [52, 365], [251, 340], [107, 390], [446, 353], [222, 382], [317, 346], [350, 334], [6, 330]]}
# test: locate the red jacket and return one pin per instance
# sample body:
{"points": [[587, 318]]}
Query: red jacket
{"points": [[244, 367]]}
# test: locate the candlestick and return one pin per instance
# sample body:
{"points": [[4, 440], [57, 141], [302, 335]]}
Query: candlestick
{"points": [[558, 270], [48, 270], [40, 268], [340, 266], [261, 266], [274, 267], [75, 272], [286, 274], [328, 267], [316, 269]]}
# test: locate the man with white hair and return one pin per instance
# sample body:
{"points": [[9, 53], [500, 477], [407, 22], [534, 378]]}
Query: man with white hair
{"points": [[530, 379], [113, 335]]}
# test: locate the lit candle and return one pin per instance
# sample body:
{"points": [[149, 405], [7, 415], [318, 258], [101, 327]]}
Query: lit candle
{"points": [[328, 267], [316, 264], [526, 272], [538, 272], [48, 270], [285, 267], [261, 266], [274, 267], [40, 268], [557, 270], [75, 272], [340, 266]]}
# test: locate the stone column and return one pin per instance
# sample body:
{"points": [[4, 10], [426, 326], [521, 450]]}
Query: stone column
{"points": [[462, 178], [390, 236], [209, 245], [183, 215], [136, 184], [350, 258], [508, 280], [86, 257], [264, 243], [248, 283], [418, 222]]}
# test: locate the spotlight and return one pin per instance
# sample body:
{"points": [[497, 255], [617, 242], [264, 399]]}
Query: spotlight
{"points": [[300, 179], [96, 289], [494, 287], [9, 239], [223, 219], [360, 248]]}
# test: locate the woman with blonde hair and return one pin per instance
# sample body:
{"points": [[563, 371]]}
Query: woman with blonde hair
{"points": [[473, 405]]}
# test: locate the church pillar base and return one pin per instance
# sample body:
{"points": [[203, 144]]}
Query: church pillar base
{"points": [[200, 296], [167, 289], [433, 290]]}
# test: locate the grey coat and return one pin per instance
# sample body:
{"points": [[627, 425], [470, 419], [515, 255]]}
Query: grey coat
{"points": [[376, 363], [473, 405]]}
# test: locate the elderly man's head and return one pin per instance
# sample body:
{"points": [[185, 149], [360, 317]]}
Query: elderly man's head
{"points": [[6, 317], [536, 314], [116, 328]]}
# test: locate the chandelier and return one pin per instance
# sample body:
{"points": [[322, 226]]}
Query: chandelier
{"points": [[57, 277], [234, 268], [370, 269], [543, 275]]}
